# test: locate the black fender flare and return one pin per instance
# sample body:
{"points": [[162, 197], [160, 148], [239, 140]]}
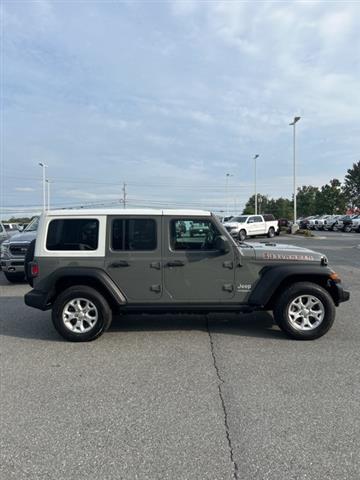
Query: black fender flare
{"points": [[48, 285], [271, 277]]}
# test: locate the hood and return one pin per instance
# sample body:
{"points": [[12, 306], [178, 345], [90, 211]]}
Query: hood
{"points": [[22, 237], [276, 252], [232, 224]]}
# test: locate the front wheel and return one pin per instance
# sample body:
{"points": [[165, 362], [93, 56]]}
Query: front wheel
{"points": [[81, 314], [242, 235], [305, 311]]}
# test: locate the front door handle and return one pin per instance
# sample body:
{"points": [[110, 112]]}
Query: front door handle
{"points": [[176, 263], [155, 288], [119, 264], [155, 265]]}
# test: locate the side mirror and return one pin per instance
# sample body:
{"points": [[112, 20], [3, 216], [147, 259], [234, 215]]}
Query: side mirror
{"points": [[20, 228], [222, 244]]}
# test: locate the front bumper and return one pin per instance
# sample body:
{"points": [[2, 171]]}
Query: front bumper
{"points": [[342, 295], [37, 299], [12, 265]]}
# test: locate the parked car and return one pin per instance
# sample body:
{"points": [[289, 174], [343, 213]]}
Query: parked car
{"points": [[13, 251], [198, 229], [252, 225], [304, 222], [355, 225], [330, 222], [344, 223], [89, 264]]}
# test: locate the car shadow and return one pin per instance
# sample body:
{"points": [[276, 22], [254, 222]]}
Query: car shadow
{"points": [[19, 321], [259, 324]]}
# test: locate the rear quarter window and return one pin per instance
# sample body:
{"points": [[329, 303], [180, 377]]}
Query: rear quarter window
{"points": [[73, 234]]}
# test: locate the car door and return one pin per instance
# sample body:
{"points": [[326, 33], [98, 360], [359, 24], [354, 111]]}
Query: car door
{"points": [[194, 270], [133, 256]]}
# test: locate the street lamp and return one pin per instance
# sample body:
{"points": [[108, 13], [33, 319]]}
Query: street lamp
{"points": [[255, 196], [293, 123], [43, 182], [227, 193]]}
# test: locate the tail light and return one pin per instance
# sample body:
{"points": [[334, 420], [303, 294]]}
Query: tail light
{"points": [[34, 269]]}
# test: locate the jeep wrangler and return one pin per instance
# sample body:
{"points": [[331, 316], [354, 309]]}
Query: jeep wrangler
{"points": [[89, 264]]}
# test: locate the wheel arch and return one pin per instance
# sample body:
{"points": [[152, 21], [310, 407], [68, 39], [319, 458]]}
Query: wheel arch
{"points": [[274, 280], [92, 277]]}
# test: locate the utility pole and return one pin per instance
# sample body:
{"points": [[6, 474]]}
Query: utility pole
{"points": [[43, 166], [48, 193], [255, 196], [227, 193], [124, 195], [293, 123]]}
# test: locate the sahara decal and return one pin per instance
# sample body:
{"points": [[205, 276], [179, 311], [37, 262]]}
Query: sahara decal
{"points": [[283, 256]]}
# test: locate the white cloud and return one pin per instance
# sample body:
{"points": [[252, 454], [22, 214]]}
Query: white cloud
{"points": [[24, 189]]}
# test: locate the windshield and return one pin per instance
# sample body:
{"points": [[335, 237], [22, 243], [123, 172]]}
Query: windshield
{"points": [[239, 219], [33, 225]]}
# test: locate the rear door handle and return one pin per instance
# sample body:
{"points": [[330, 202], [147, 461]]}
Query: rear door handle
{"points": [[176, 263], [119, 264]]}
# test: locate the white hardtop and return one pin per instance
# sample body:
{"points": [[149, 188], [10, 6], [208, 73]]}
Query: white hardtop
{"points": [[126, 211]]}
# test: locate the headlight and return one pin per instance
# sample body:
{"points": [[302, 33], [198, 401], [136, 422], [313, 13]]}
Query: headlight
{"points": [[4, 247]]}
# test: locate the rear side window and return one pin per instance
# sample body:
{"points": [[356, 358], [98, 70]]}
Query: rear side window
{"points": [[73, 234], [133, 234]]}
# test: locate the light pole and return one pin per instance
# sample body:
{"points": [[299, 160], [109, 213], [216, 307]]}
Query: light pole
{"points": [[227, 193], [44, 184], [293, 123], [255, 196], [48, 193]]}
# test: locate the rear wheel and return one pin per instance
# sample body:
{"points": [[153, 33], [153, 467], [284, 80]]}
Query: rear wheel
{"points": [[305, 311], [271, 232], [81, 314], [14, 277]]}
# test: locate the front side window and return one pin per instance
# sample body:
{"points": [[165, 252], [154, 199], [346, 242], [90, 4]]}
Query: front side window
{"points": [[193, 234], [73, 234], [133, 234]]}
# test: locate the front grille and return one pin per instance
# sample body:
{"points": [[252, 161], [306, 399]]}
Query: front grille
{"points": [[228, 229], [18, 250]]}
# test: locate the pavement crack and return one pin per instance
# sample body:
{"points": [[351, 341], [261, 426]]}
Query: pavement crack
{"points": [[235, 469]]}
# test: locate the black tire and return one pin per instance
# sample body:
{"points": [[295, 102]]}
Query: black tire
{"points": [[242, 235], [84, 292], [14, 277], [29, 257], [347, 229], [271, 232], [298, 289]]}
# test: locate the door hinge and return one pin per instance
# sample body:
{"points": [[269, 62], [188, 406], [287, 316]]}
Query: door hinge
{"points": [[155, 288], [228, 264], [228, 287], [155, 265]]}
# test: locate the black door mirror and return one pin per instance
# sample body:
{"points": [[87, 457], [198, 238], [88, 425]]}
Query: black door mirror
{"points": [[222, 244]]}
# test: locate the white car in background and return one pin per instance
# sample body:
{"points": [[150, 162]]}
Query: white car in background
{"points": [[251, 225]]}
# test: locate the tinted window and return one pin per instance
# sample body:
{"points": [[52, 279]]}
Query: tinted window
{"points": [[193, 234], [257, 219], [239, 219], [73, 234], [134, 234]]}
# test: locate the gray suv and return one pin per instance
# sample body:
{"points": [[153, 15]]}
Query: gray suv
{"points": [[90, 264], [13, 252]]}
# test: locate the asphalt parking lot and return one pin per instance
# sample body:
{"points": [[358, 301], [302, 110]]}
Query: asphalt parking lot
{"points": [[184, 397]]}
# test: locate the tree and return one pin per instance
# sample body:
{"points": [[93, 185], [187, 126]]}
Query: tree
{"points": [[250, 205], [330, 199], [306, 200], [352, 186]]}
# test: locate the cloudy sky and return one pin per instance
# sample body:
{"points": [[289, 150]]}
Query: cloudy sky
{"points": [[170, 96]]}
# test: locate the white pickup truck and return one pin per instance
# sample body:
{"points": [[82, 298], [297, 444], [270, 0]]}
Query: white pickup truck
{"points": [[252, 225]]}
